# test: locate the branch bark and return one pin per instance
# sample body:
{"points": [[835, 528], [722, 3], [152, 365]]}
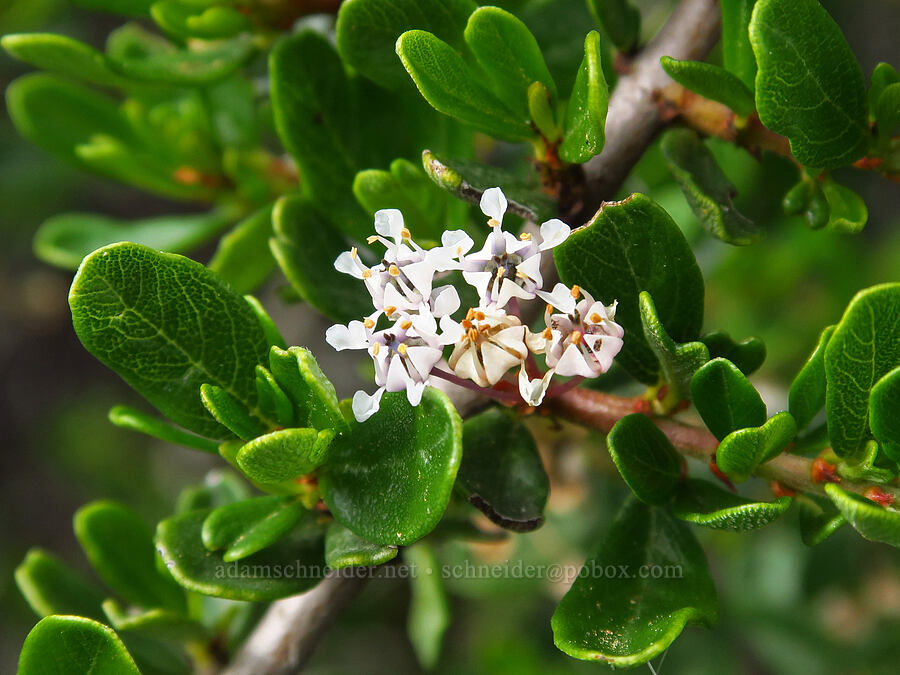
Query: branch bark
{"points": [[286, 636]]}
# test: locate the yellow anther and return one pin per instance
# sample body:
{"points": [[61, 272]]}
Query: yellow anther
{"points": [[520, 274], [393, 270], [466, 324], [354, 253], [525, 236], [473, 334], [576, 291], [401, 349], [479, 316], [406, 324], [549, 309], [596, 318], [459, 250], [390, 309], [405, 233], [367, 274], [368, 323], [575, 337], [371, 239], [470, 313], [547, 333], [375, 349], [493, 222], [501, 271]]}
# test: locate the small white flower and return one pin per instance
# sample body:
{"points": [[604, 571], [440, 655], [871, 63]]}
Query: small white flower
{"points": [[507, 267], [532, 391], [487, 344], [585, 340]]}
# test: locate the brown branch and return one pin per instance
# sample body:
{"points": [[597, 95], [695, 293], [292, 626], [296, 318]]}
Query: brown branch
{"points": [[601, 411]]}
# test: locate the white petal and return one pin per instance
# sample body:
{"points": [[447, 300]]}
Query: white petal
{"points": [[573, 362], [451, 331], [531, 269], [364, 406], [414, 393], [397, 377], [509, 289], [493, 203], [481, 281], [536, 342], [444, 300], [560, 298], [424, 359], [457, 242], [497, 362], [532, 391], [389, 223], [606, 351], [424, 324], [351, 336], [553, 233], [464, 362], [346, 264], [421, 274]]}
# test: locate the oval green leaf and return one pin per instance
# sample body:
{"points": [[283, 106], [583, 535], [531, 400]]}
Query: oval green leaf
{"points": [[586, 111], [725, 398], [741, 451], [52, 587], [345, 549], [648, 462], [712, 82], [389, 479], [748, 354], [284, 454], [61, 645], [884, 413], [807, 394]]}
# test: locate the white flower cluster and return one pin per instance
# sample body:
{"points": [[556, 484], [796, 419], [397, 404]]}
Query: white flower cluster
{"points": [[581, 337]]}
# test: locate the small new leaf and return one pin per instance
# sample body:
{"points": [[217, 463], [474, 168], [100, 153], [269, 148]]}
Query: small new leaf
{"points": [[741, 451], [345, 549], [284, 454], [712, 82], [703, 503], [586, 111], [245, 527]]}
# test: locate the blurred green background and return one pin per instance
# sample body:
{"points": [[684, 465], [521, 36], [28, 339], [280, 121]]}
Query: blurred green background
{"points": [[784, 608]]}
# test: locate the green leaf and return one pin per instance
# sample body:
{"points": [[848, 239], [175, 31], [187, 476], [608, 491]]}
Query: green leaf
{"points": [[707, 190], [367, 32], [809, 86], [61, 645], [313, 395], [305, 246], [703, 503], [229, 413], [155, 623], [629, 247], [648, 462], [678, 362], [807, 394], [429, 610], [219, 487], [314, 104], [542, 113], [127, 417], [864, 347], [587, 107], [501, 473], [270, 330], [509, 55], [65, 239], [345, 549], [725, 398], [284, 454], [453, 88], [817, 523], [85, 128], [712, 82], [737, 54], [389, 479], [817, 210], [884, 413], [243, 528], [887, 110], [64, 56], [243, 258], [623, 619], [126, 7], [862, 466], [193, 20], [883, 76], [290, 566], [52, 587], [620, 20], [120, 547], [741, 451], [167, 325], [871, 520], [203, 65], [468, 180], [847, 212], [405, 187], [748, 354], [274, 403]]}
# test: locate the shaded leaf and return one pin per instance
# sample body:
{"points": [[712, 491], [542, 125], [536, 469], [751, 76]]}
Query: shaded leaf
{"points": [[120, 547], [703, 503], [315, 401], [807, 393], [817, 523], [501, 473], [229, 413], [707, 190], [166, 325], [196, 20], [748, 354], [63, 55], [847, 212], [809, 86], [429, 611], [127, 417], [274, 403], [884, 413], [712, 82], [620, 20], [623, 619], [52, 587], [243, 258], [863, 348], [629, 247], [648, 462], [156, 623], [725, 398], [345, 549], [389, 479], [737, 54], [248, 526], [289, 567]]}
